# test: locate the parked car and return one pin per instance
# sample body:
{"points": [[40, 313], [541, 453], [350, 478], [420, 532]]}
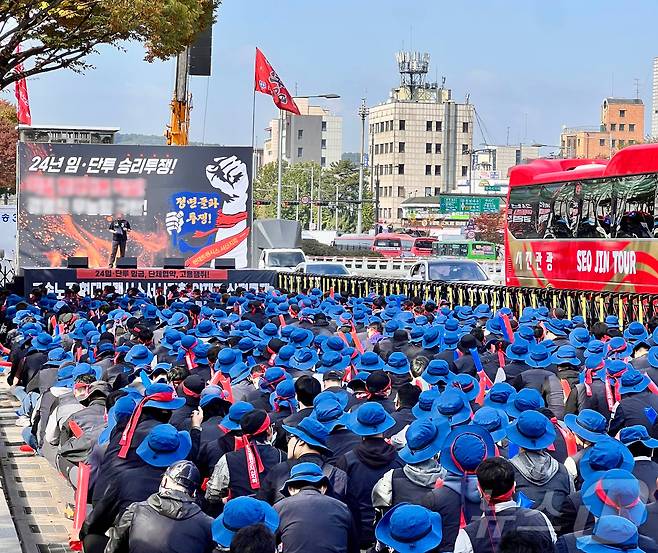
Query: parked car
{"points": [[449, 270], [322, 268]]}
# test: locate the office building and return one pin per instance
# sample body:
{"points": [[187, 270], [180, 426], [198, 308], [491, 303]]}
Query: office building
{"points": [[66, 134], [622, 124], [420, 139], [315, 135]]}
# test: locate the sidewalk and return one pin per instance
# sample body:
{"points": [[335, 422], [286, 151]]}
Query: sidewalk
{"points": [[37, 495]]}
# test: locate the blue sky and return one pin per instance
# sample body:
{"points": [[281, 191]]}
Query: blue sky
{"points": [[530, 65]]}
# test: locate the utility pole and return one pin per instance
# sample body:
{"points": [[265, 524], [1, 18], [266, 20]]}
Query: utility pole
{"points": [[279, 182], [363, 113]]}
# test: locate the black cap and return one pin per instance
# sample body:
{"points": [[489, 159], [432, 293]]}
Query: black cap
{"points": [[377, 381], [194, 383], [467, 342], [333, 375], [275, 344], [400, 335], [252, 421]]}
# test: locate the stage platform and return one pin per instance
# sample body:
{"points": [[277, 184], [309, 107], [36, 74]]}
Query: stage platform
{"points": [[146, 279]]}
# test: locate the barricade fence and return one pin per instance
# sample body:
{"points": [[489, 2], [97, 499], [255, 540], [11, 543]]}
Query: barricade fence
{"points": [[593, 306]]}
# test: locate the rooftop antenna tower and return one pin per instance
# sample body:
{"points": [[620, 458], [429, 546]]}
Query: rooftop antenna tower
{"points": [[413, 67]]}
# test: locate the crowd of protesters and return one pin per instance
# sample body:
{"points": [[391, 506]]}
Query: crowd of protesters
{"points": [[257, 421]]}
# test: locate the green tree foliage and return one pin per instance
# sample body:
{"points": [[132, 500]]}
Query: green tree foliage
{"points": [[342, 176], [8, 139], [55, 34]]}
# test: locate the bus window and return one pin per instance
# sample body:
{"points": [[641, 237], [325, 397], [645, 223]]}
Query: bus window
{"points": [[522, 212], [563, 218], [385, 243], [595, 199], [423, 244], [406, 245], [636, 198]]}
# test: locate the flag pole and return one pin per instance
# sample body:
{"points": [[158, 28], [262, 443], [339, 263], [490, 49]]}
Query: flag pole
{"points": [[279, 182]]}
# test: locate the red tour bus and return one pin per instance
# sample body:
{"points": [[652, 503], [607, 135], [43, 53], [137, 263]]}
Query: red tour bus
{"points": [[585, 224], [402, 245]]}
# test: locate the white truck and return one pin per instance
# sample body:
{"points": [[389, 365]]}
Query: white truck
{"points": [[281, 259]]}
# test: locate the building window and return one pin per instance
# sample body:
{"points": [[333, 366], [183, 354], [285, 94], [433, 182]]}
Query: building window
{"points": [[402, 124], [391, 122], [437, 191], [390, 168], [464, 149], [300, 134], [323, 161], [439, 126], [622, 126], [621, 143], [387, 126], [464, 170], [401, 146], [390, 191], [428, 148], [300, 152], [400, 191], [324, 125], [428, 169], [613, 126], [622, 113], [323, 144], [428, 126], [428, 191], [400, 213], [390, 147], [631, 127], [372, 128], [437, 148], [437, 170], [400, 168], [601, 141], [614, 142], [464, 126]]}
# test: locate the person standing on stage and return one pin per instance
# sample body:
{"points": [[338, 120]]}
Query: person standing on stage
{"points": [[119, 228]]}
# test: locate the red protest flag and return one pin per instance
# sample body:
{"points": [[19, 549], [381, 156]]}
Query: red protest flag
{"points": [[23, 111], [268, 82]]}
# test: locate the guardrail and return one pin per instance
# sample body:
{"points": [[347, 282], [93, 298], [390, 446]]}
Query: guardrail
{"points": [[7, 272], [399, 266], [593, 306]]}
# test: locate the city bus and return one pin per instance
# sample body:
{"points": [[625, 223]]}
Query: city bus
{"points": [[402, 245], [478, 250], [353, 242], [584, 224]]}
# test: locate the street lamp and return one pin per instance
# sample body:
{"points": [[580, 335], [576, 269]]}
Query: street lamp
{"points": [[363, 113], [326, 96]]}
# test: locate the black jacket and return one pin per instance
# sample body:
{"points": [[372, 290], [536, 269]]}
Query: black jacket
{"points": [[270, 489], [310, 521], [631, 410], [167, 522], [364, 466]]}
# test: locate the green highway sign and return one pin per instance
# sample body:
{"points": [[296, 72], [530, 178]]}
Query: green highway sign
{"points": [[469, 204]]}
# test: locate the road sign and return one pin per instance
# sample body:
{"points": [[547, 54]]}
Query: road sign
{"points": [[470, 234], [469, 204], [492, 188], [305, 200]]}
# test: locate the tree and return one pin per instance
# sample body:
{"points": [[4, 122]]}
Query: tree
{"points": [[297, 177], [57, 34], [8, 139], [343, 176], [489, 227]]}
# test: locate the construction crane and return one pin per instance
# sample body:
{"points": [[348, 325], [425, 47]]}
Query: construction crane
{"points": [[177, 131]]}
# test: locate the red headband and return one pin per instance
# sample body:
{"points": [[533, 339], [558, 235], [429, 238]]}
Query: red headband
{"points": [[129, 431]]}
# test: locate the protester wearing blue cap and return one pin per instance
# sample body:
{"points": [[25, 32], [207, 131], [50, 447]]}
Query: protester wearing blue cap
{"points": [[310, 520], [468, 385], [615, 492], [604, 456], [638, 398], [398, 364], [410, 529], [641, 447], [426, 406], [161, 447], [241, 512], [494, 421], [539, 476], [437, 373], [369, 362], [499, 395], [524, 400], [453, 406], [368, 462], [332, 361], [458, 500]]}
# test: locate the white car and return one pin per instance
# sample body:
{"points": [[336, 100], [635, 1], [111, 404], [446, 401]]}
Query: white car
{"points": [[449, 270], [281, 259], [322, 268]]}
